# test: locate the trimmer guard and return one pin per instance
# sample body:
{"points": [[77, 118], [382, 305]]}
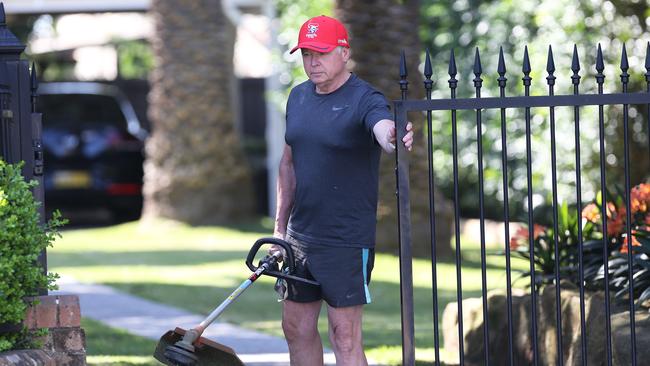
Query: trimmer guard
{"points": [[209, 353]]}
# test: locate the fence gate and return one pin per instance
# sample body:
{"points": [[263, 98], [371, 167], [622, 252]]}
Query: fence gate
{"points": [[619, 262]]}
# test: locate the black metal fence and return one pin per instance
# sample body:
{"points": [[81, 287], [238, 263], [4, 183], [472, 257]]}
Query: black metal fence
{"points": [[602, 253]]}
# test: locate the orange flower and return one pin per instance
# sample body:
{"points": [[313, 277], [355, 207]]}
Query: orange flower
{"points": [[635, 242], [611, 210], [640, 198], [591, 213]]}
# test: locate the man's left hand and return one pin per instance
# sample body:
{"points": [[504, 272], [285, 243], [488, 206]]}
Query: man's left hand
{"points": [[385, 133]]}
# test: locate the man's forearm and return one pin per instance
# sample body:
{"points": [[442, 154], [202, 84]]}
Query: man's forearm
{"points": [[286, 189]]}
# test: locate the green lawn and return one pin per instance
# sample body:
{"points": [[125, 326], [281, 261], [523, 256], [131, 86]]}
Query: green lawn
{"points": [[172, 263], [107, 346]]}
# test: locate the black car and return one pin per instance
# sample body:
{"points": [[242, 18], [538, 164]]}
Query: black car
{"points": [[93, 148]]}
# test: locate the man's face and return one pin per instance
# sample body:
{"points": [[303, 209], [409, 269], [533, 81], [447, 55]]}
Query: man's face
{"points": [[323, 68]]}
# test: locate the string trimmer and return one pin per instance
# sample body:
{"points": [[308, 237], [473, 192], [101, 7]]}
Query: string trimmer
{"points": [[180, 347]]}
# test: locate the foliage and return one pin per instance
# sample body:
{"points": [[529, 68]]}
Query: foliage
{"points": [[620, 258], [135, 59], [22, 239], [463, 25], [592, 228], [544, 239]]}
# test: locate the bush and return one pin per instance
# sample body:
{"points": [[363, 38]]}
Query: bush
{"points": [[22, 239], [593, 238]]}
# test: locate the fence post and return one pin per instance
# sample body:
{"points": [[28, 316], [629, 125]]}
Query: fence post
{"points": [[20, 138]]}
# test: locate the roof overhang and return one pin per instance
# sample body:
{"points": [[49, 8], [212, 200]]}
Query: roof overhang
{"points": [[74, 6]]}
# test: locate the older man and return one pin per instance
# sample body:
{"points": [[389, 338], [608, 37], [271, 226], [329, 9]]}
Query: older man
{"points": [[336, 127]]}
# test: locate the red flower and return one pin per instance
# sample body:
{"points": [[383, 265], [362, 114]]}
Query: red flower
{"points": [[521, 237], [635, 242]]}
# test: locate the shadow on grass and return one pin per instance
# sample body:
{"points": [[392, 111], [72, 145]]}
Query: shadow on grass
{"points": [[154, 258]]}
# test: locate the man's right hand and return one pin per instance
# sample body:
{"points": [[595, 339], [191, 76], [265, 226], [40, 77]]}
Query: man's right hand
{"points": [[276, 248]]}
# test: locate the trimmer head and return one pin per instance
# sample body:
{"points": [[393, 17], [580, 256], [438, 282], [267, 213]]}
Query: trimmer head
{"points": [[206, 352]]}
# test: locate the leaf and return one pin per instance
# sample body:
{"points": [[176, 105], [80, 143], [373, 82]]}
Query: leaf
{"points": [[645, 295]]}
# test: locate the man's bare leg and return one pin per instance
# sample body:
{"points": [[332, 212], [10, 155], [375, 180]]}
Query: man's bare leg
{"points": [[300, 326], [345, 335]]}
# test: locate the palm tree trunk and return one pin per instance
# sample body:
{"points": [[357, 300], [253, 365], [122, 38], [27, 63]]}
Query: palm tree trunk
{"points": [[195, 169]]}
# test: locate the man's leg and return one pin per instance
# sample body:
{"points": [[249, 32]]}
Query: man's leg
{"points": [[300, 326], [345, 335]]}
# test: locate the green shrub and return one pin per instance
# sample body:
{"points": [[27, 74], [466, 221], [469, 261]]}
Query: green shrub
{"points": [[22, 239]]}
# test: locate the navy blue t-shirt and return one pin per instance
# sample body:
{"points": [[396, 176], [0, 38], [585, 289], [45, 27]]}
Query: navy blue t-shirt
{"points": [[336, 163]]}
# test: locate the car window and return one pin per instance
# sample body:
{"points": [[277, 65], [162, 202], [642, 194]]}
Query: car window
{"points": [[62, 110]]}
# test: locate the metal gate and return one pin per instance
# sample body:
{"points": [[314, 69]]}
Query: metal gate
{"points": [[637, 247]]}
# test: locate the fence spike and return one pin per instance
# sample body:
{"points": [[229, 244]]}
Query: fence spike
{"points": [[33, 79], [3, 18], [427, 66], [625, 77], [478, 70], [402, 66], [550, 63], [624, 64], [575, 63], [501, 68], [526, 67], [600, 65], [452, 64], [428, 83], [550, 67], [403, 82], [575, 67]]}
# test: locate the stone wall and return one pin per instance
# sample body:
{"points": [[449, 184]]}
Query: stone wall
{"points": [[546, 329], [65, 343]]}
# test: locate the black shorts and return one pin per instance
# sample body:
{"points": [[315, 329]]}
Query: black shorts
{"points": [[343, 274]]}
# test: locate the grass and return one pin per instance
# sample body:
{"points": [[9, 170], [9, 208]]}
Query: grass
{"points": [[106, 346], [170, 263]]}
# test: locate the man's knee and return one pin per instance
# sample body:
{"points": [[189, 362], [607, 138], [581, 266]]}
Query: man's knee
{"points": [[295, 329], [345, 337]]}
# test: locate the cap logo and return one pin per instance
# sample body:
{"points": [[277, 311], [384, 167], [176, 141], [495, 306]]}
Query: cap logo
{"points": [[312, 28]]}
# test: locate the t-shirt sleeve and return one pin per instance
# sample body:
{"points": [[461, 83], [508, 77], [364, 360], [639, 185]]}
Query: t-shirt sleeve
{"points": [[374, 108]]}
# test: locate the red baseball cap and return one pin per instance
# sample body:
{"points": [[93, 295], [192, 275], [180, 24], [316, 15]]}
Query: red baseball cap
{"points": [[322, 34]]}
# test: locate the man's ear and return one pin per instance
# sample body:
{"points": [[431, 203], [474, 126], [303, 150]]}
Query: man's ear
{"points": [[345, 52]]}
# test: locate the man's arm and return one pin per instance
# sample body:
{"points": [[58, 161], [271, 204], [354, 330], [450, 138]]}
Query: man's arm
{"points": [[384, 132], [286, 189]]}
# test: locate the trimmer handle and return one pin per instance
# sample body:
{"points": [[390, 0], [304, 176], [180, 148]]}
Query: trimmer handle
{"points": [[287, 260]]}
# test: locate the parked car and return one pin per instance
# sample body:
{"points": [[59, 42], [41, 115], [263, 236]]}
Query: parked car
{"points": [[93, 148]]}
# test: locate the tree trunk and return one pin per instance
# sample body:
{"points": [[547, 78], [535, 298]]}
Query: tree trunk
{"points": [[195, 169], [379, 30]]}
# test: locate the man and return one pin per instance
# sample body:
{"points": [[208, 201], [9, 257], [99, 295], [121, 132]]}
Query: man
{"points": [[337, 125]]}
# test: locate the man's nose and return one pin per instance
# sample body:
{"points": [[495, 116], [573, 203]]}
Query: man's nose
{"points": [[315, 60]]}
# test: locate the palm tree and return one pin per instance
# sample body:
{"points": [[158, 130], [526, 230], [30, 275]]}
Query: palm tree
{"points": [[378, 32], [195, 169]]}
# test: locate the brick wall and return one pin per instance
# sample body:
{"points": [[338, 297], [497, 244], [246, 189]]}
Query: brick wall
{"points": [[65, 343]]}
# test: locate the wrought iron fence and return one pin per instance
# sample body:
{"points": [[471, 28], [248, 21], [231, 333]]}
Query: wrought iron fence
{"points": [[598, 250]]}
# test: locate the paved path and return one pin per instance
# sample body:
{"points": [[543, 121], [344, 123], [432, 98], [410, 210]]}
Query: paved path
{"points": [[149, 319]]}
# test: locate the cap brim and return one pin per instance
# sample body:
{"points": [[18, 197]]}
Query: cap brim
{"points": [[315, 46]]}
